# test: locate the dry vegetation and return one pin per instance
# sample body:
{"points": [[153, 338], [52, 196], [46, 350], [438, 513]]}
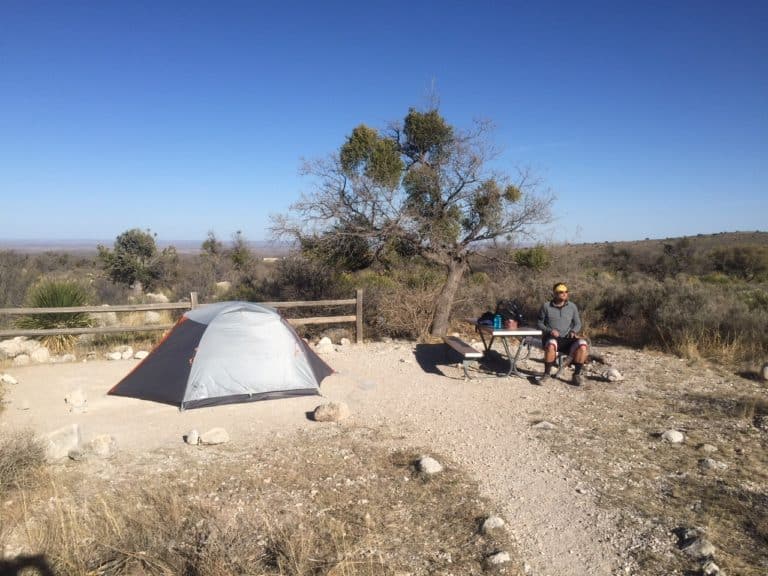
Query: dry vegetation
{"points": [[612, 435], [340, 504]]}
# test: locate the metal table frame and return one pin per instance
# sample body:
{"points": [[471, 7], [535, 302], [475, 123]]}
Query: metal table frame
{"points": [[488, 335]]}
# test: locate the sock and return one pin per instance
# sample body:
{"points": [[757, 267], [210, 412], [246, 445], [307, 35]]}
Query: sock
{"points": [[577, 368], [547, 367]]}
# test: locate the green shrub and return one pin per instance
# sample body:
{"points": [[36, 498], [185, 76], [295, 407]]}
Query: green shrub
{"points": [[56, 294]]}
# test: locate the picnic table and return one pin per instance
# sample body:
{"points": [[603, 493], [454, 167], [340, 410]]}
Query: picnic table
{"points": [[489, 334]]}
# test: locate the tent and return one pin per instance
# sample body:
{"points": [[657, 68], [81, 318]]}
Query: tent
{"points": [[225, 353]]}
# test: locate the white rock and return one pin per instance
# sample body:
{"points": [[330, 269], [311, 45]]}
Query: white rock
{"points": [[113, 356], [764, 371], [711, 569], [21, 360], [544, 425], [498, 558], [68, 358], [29, 346], [344, 342], [40, 355], [11, 348], [61, 441], [223, 287], [192, 437], [673, 436], [491, 523], [429, 465], [8, 379], [76, 400], [613, 375], [214, 436], [710, 464], [708, 448], [331, 412], [141, 354], [324, 341]]}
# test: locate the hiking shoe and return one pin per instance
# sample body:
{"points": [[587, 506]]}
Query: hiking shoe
{"points": [[544, 379], [578, 380]]}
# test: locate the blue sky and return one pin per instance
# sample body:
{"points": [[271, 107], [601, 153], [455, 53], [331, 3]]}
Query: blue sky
{"points": [[644, 119]]}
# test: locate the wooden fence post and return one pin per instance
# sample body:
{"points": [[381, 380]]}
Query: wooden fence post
{"points": [[193, 299], [359, 316]]}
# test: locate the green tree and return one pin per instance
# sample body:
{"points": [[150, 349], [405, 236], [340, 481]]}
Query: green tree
{"points": [[421, 184], [135, 259]]}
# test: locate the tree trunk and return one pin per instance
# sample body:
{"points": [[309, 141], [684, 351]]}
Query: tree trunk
{"points": [[444, 302]]}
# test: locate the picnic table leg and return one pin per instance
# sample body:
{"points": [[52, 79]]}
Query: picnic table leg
{"points": [[513, 359]]}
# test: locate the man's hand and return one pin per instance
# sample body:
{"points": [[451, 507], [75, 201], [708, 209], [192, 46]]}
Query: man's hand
{"points": [[572, 334], [555, 334]]}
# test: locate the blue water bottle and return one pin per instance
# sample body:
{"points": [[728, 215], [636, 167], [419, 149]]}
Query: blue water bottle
{"points": [[497, 322]]}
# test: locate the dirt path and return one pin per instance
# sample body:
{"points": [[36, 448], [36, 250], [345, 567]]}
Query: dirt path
{"points": [[484, 426]]}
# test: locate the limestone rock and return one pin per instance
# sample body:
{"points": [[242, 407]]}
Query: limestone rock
{"points": [[76, 400], [429, 465], [764, 371], [113, 356], [40, 355], [613, 375], [61, 441], [21, 360], [325, 346], [8, 379], [331, 412], [214, 436], [673, 436], [192, 437], [498, 558], [544, 425], [141, 354], [706, 464], [491, 523]]}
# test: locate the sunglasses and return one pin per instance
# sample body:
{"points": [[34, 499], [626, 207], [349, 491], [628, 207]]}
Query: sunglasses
{"points": [[562, 292]]}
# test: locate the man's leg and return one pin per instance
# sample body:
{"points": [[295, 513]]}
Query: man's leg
{"points": [[550, 355], [579, 353]]}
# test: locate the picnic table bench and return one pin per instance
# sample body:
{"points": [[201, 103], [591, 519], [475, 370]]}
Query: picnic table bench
{"points": [[488, 334]]}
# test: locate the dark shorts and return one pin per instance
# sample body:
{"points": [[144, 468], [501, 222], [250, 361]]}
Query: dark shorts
{"points": [[563, 344]]}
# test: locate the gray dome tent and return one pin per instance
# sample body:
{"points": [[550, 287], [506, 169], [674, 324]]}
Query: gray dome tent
{"points": [[225, 353]]}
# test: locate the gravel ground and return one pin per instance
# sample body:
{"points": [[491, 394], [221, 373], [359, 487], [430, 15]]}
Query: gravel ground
{"points": [[411, 394]]}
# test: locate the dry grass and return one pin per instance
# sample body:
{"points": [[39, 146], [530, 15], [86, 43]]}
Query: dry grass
{"points": [[21, 461], [339, 505]]}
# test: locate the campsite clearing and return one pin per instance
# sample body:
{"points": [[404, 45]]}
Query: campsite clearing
{"points": [[598, 493]]}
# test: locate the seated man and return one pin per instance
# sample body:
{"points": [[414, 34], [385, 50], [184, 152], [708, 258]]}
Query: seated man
{"points": [[560, 324]]}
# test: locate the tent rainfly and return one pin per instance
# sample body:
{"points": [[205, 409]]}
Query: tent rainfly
{"points": [[225, 353]]}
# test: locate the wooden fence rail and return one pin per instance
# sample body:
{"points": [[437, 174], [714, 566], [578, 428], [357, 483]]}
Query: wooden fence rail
{"points": [[357, 317]]}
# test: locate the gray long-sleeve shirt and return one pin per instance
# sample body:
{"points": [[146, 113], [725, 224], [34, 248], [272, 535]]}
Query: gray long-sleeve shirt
{"points": [[563, 319]]}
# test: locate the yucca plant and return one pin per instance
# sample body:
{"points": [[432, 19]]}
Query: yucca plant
{"points": [[56, 294]]}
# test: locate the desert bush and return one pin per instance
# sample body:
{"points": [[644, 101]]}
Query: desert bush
{"points": [[56, 294], [741, 261], [15, 278], [22, 456], [537, 258]]}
